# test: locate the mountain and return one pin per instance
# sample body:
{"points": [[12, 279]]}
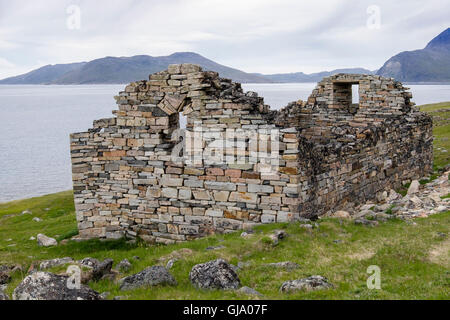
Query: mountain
{"points": [[313, 77], [44, 75], [431, 64], [112, 70]]}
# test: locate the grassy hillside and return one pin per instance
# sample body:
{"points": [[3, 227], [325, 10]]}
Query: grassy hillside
{"points": [[412, 266], [441, 121]]}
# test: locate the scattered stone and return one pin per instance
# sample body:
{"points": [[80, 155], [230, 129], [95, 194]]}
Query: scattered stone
{"points": [[307, 284], [306, 226], [249, 291], [413, 188], [105, 295], [89, 262], [47, 264], [170, 263], [215, 248], [278, 235], [246, 234], [3, 296], [102, 269], [124, 265], [366, 222], [49, 286], [393, 196], [217, 274], [32, 238], [26, 212], [341, 215], [45, 241], [288, 265], [5, 278], [151, 276]]}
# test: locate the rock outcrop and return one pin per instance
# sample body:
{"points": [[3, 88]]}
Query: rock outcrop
{"points": [[151, 276], [49, 286], [217, 274]]}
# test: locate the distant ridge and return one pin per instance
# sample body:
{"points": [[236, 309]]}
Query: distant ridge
{"points": [[113, 70], [431, 64], [313, 77]]}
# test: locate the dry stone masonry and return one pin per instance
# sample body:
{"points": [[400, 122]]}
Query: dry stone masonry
{"points": [[238, 163]]}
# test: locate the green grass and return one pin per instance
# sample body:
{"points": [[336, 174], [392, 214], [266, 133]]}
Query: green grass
{"points": [[441, 122], [412, 267]]}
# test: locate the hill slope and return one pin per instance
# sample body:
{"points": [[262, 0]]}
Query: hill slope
{"points": [[313, 77], [113, 70], [427, 65]]}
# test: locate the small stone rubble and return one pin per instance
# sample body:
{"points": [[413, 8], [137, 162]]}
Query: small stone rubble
{"points": [[421, 201], [308, 284]]}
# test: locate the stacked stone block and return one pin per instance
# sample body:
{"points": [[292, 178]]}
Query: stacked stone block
{"points": [[127, 181]]}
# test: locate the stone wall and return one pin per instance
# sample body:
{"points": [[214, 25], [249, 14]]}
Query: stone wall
{"points": [[354, 153], [237, 163]]}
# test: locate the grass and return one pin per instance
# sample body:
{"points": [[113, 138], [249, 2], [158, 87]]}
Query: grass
{"points": [[441, 131], [412, 267]]}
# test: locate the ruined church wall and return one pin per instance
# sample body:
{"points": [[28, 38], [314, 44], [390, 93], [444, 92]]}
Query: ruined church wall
{"points": [[126, 181], [355, 153], [241, 164]]}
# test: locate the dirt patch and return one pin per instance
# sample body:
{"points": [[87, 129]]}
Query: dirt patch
{"points": [[440, 254], [362, 255]]}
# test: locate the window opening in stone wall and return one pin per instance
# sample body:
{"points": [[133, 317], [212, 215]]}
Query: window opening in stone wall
{"points": [[354, 106]]}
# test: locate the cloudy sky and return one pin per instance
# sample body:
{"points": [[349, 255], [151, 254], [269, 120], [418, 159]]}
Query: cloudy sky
{"points": [[251, 35]]}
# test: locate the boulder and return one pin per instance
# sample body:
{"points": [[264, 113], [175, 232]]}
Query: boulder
{"points": [[278, 235], [3, 296], [124, 265], [249, 291], [413, 188], [307, 284], [49, 286], [45, 241], [4, 277], [217, 274], [102, 269], [47, 264], [151, 276]]}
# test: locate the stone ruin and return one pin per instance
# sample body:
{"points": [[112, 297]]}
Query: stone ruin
{"points": [[237, 163]]}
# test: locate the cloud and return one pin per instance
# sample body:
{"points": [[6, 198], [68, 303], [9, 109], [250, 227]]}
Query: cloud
{"points": [[254, 35]]}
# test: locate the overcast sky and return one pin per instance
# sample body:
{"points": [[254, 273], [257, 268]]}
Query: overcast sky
{"points": [[251, 35]]}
